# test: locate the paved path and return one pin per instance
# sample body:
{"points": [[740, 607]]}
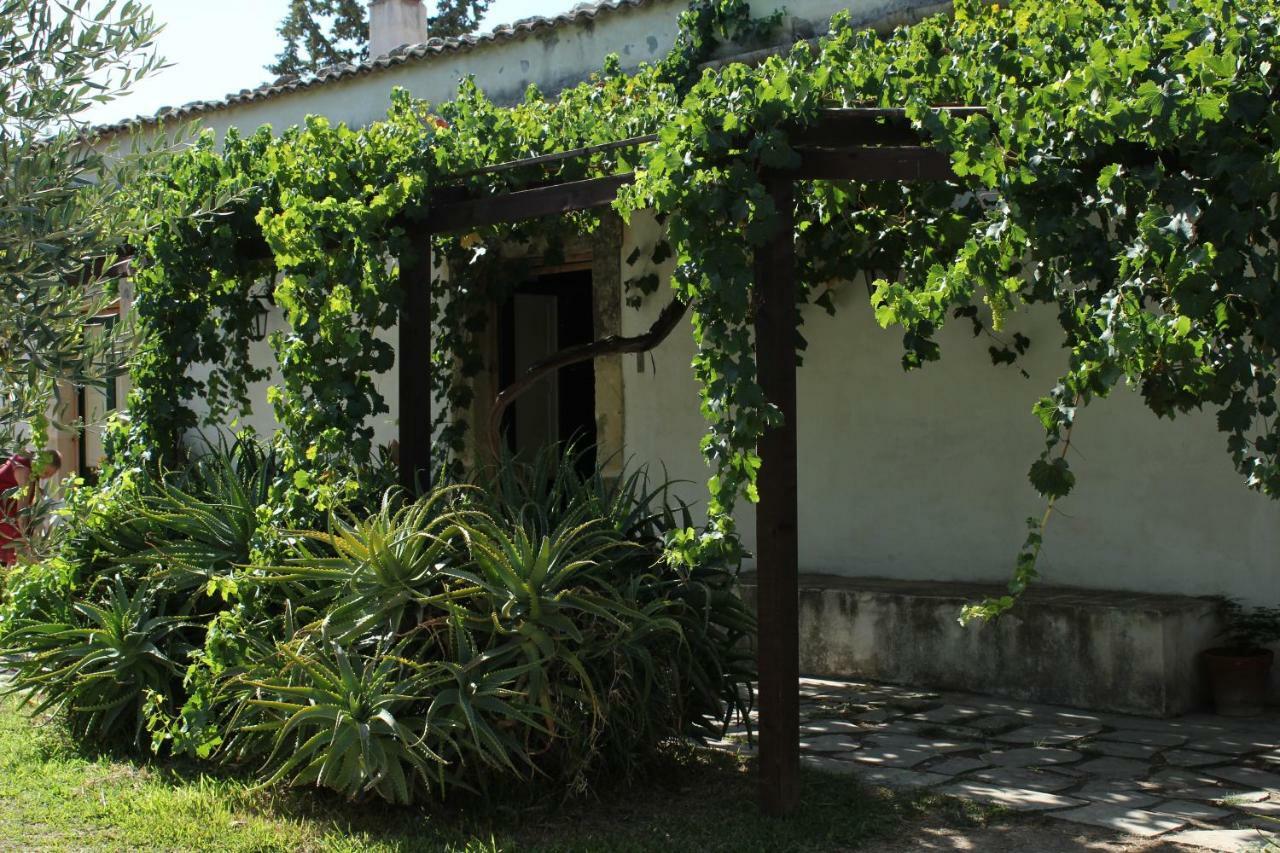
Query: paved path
{"points": [[1200, 780]]}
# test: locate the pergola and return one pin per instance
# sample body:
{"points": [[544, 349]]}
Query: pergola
{"points": [[858, 144]]}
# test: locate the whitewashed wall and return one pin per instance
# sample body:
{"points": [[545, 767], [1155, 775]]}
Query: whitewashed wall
{"points": [[923, 475]]}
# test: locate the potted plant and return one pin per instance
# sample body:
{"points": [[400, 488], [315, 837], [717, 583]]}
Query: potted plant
{"points": [[1238, 669]]}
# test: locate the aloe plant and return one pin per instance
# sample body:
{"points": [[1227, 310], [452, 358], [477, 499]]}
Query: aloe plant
{"points": [[341, 719], [98, 668], [204, 522], [711, 669], [481, 713], [386, 568], [546, 591], [189, 525], [551, 486]]}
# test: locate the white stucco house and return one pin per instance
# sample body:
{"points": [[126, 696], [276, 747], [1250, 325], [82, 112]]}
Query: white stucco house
{"points": [[912, 495]]}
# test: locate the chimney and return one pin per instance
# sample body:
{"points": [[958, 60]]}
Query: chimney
{"points": [[393, 23]]}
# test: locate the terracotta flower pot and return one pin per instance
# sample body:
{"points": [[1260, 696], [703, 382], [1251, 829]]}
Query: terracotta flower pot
{"points": [[1239, 680]]}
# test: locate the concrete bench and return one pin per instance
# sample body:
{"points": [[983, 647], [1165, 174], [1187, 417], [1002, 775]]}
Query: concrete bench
{"points": [[1097, 649]]}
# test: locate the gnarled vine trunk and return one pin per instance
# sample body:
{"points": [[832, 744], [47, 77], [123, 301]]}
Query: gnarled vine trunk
{"points": [[662, 327]]}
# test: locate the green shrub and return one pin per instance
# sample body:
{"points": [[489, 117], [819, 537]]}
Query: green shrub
{"points": [[488, 634], [43, 591]]}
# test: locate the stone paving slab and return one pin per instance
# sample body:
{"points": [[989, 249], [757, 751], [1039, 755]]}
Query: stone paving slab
{"points": [[1119, 749], [1198, 780], [892, 756], [1228, 744], [1047, 735], [1191, 758], [1229, 796], [828, 743], [809, 684], [829, 727], [899, 779], [937, 730], [1266, 826], [1116, 793], [1032, 756], [1249, 777], [1027, 711], [892, 777], [877, 715], [1222, 840], [888, 777], [1017, 799], [956, 765], [996, 724], [1145, 738], [1122, 819], [1266, 726], [906, 730], [1122, 768], [1267, 808], [1193, 811], [1025, 777], [945, 714], [1181, 777], [1180, 725], [920, 743]]}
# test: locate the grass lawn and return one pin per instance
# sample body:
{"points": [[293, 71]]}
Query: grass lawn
{"points": [[55, 796]]}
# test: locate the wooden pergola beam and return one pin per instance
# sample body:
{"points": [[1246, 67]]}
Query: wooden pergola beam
{"points": [[844, 126], [856, 163], [526, 204], [861, 163], [853, 143], [836, 127], [558, 156]]}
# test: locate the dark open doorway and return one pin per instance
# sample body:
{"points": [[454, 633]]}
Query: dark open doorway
{"points": [[544, 315]]}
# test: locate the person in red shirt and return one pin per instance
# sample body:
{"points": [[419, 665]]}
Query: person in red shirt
{"points": [[17, 493]]}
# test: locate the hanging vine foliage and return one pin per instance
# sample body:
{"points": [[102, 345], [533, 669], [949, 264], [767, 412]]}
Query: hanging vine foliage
{"points": [[1125, 174], [200, 294], [333, 233]]}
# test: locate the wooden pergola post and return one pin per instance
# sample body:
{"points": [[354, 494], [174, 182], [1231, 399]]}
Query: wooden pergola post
{"points": [[414, 361], [777, 544]]}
